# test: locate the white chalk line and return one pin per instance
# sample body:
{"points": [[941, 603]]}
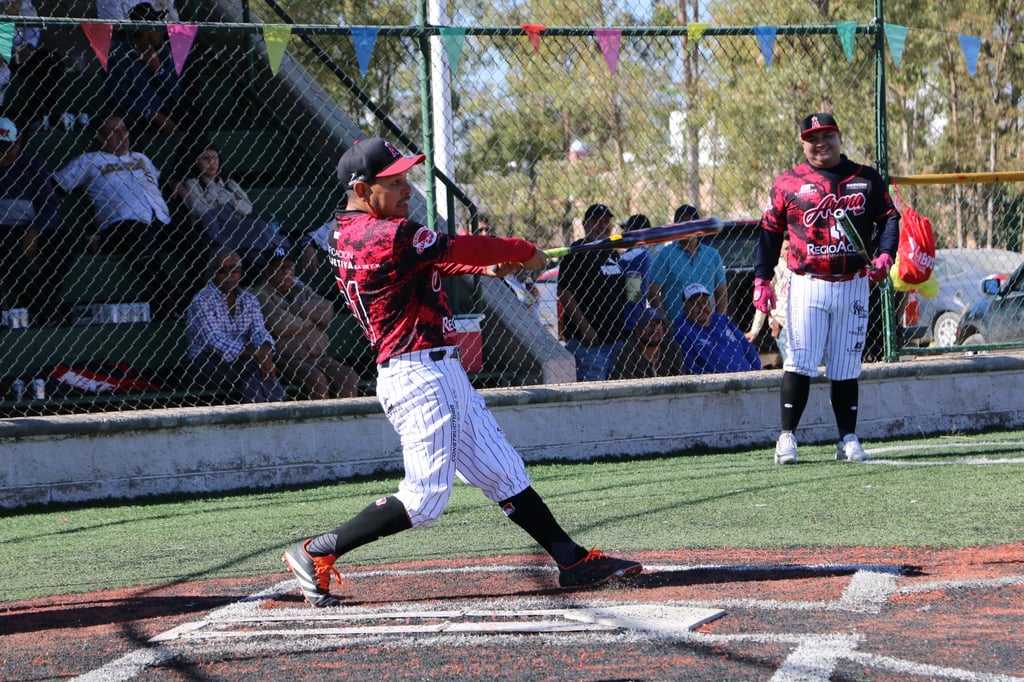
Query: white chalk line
{"points": [[866, 592]]}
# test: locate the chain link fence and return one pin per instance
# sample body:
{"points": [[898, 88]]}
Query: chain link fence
{"points": [[525, 130]]}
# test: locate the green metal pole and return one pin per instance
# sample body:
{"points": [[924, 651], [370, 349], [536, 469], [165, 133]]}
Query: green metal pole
{"points": [[428, 120], [890, 330]]}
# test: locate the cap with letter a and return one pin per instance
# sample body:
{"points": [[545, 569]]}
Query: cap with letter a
{"points": [[817, 122], [367, 160]]}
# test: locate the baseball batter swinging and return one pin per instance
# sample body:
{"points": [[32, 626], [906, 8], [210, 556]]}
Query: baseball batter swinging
{"points": [[828, 298], [389, 272]]}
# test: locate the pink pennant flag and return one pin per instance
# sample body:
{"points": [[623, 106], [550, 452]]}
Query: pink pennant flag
{"points": [[610, 39], [99, 38], [181, 37], [533, 32]]}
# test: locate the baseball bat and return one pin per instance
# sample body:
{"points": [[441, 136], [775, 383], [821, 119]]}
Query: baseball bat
{"points": [[651, 235], [853, 235]]}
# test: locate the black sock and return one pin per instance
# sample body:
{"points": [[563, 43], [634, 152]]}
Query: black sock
{"points": [[528, 511], [384, 517], [793, 399], [845, 396]]}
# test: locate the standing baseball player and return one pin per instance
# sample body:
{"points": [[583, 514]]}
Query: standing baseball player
{"points": [[389, 272], [827, 314]]}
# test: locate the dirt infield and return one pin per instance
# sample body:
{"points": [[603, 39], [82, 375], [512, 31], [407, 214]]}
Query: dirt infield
{"points": [[833, 614]]}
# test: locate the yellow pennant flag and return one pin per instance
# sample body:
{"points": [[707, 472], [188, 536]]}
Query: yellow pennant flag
{"points": [[694, 32], [276, 37]]}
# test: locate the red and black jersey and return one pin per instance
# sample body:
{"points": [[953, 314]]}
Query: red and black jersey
{"points": [[389, 270], [802, 202]]}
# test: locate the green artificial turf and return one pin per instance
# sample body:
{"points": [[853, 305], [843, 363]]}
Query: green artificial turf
{"points": [[953, 491]]}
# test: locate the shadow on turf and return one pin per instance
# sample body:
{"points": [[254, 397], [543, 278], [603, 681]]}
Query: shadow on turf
{"points": [[38, 617]]}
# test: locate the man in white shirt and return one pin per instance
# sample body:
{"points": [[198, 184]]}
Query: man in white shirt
{"points": [[124, 188]]}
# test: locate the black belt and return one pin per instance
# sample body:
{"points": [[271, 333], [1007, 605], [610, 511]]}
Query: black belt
{"points": [[434, 355]]}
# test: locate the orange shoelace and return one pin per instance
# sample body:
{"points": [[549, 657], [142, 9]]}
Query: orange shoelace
{"points": [[323, 566]]}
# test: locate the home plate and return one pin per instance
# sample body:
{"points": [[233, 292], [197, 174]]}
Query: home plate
{"points": [[658, 618]]}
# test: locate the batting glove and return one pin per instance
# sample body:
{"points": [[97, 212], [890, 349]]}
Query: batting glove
{"points": [[764, 297], [882, 265]]}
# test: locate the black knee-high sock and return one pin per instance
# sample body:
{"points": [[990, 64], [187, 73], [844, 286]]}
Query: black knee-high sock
{"points": [[384, 517], [845, 396], [528, 511], [793, 399]]}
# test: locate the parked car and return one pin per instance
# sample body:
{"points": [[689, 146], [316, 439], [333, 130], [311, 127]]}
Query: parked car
{"points": [[960, 273], [997, 316]]}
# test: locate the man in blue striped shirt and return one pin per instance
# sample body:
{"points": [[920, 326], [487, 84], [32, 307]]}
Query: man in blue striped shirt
{"points": [[228, 342]]}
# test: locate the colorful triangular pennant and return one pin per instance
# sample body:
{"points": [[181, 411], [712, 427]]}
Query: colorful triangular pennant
{"points": [[276, 37], [99, 39], [847, 31], [533, 32], [364, 38], [181, 37], [896, 36], [610, 40], [971, 48], [695, 31], [453, 38], [6, 40], [766, 41]]}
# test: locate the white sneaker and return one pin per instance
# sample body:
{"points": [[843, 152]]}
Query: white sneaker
{"points": [[785, 448], [849, 448]]}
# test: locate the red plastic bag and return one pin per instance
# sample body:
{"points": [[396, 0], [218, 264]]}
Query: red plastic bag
{"points": [[915, 255]]}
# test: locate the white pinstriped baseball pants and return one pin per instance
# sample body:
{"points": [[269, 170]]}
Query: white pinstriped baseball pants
{"points": [[826, 320], [446, 431]]}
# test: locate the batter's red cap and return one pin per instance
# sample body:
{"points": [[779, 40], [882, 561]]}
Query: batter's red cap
{"points": [[816, 122], [367, 160]]}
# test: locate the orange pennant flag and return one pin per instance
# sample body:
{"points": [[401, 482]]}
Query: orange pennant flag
{"points": [[533, 32]]}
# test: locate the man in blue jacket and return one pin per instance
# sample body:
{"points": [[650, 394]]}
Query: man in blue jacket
{"points": [[711, 342]]}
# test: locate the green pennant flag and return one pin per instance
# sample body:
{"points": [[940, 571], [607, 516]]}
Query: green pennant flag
{"points": [[896, 36], [847, 31], [6, 40], [453, 38], [276, 37]]}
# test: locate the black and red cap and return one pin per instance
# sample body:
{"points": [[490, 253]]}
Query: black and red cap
{"points": [[817, 122], [367, 160]]}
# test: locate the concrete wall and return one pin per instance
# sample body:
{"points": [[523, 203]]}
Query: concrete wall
{"points": [[200, 450]]}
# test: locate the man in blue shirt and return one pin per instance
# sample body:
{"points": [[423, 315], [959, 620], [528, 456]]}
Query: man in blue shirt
{"points": [[711, 342], [681, 263]]}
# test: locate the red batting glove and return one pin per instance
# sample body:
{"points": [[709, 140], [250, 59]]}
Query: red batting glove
{"points": [[882, 265], [764, 297]]}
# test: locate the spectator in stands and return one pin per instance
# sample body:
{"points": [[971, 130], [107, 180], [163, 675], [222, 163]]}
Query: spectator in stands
{"points": [[636, 266], [650, 350], [297, 317], [32, 76], [118, 10], [229, 346], [711, 342], [222, 209], [682, 263], [29, 213], [142, 83], [591, 290], [133, 218], [311, 244]]}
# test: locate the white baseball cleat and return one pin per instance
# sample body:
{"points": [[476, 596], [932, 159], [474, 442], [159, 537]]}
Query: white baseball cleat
{"points": [[849, 448], [785, 448]]}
